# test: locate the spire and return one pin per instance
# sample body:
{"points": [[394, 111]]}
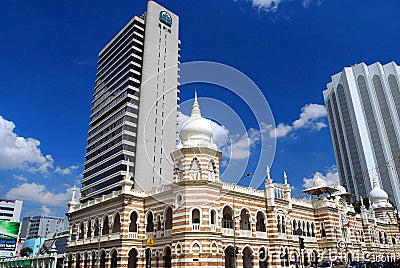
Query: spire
{"points": [[285, 177], [73, 193], [128, 174], [268, 173], [196, 108]]}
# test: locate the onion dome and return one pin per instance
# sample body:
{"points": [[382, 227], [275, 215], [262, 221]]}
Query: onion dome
{"points": [[378, 197], [196, 131]]}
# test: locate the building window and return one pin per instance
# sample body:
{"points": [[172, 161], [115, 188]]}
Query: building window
{"points": [[245, 220], [227, 219], [260, 226]]}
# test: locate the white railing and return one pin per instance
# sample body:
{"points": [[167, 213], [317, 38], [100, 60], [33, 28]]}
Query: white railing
{"points": [[149, 234], [167, 232], [282, 236], [132, 235], [213, 227], [195, 226], [116, 236], [159, 233], [227, 231], [245, 233], [261, 234]]}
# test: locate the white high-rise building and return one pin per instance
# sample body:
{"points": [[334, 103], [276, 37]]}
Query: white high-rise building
{"points": [[363, 105], [10, 210], [134, 113]]}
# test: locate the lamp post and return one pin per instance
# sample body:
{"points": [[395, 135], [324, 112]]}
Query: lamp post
{"points": [[234, 217]]}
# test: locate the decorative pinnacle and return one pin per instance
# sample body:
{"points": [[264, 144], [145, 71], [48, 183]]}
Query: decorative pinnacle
{"points": [[196, 107], [268, 174], [362, 201], [128, 175], [285, 177], [73, 193]]}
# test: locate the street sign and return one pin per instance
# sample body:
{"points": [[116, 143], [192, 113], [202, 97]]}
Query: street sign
{"points": [[150, 241]]}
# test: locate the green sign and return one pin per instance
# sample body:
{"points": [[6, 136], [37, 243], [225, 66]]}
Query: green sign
{"points": [[8, 235], [165, 18]]}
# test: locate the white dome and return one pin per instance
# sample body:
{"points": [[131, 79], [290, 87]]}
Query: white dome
{"points": [[378, 197], [378, 194], [341, 189], [197, 131], [319, 182]]}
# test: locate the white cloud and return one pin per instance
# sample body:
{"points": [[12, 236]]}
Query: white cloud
{"points": [[19, 152], [268, 5], [331, 178], [65, 171], [39, 193], [310, 118], [20, 178], [46, 210], [273, 5]]}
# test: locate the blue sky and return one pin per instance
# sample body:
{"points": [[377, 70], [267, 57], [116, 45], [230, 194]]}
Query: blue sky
{"points": [[289, 48]]}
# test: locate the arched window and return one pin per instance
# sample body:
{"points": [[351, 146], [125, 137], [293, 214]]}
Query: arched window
{"points": [[96, 227], [195, 170], [279, 224], [294, 226], [168, 218], [312, 229], [89, 228], [114, 260], [195, 216], [213, 217], [211, 171], [245, 220], [227, 219], [133, 258], [167, 258], [117, 224], [133, 222], [386, 237], [106, 227], [260, 226], [380, 237], [283, 224], [179, 171], [150, 223], [81, 231], [323, 231], [85, 260], [159, 227], [308, 229]]}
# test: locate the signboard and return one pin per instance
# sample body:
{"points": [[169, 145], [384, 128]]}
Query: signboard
{"points": [[165, 18], [150, 241], [8, 235]]}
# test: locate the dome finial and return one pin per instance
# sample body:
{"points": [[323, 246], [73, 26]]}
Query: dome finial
{"points": [[375, 183], [285, 177], [196, 107]]}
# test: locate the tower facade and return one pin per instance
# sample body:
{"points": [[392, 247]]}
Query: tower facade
{"points": [[134, 113], [363, 105]]}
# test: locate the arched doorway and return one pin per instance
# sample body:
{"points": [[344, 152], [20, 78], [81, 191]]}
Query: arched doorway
{"points": [[229, 257], [133, 258], [78, 261], [247, 258], [167, 258], [148, 258], [114, 259], [103, 260]]}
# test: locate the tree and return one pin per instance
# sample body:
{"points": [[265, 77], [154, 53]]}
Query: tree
{"points": [[25, 252]]}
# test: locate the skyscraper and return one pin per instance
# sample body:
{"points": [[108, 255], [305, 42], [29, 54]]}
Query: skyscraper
{"points": [[134, 113], [363, 105]]}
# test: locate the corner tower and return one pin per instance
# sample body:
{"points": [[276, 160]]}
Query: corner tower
{"points": [[196, 157]]}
